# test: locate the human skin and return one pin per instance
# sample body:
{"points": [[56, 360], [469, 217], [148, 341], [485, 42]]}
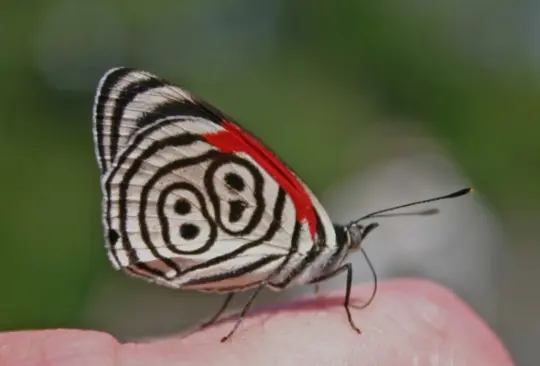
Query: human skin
{"points": [[411, 322]]}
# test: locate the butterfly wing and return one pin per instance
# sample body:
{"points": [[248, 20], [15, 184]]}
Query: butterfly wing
{"points": [[128, 99], [190, 198]]}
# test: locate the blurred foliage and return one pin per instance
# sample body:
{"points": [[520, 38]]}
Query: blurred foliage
{"points": [[315, 85]]}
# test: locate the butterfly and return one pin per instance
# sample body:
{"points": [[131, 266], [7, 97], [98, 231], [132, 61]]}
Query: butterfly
{"points": [[192, 200]]}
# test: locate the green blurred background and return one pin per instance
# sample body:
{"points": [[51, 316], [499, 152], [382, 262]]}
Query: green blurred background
{"points": [[332, 86]]}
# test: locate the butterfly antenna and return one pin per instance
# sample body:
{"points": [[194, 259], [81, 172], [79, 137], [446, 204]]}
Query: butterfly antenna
{"points": [[426, 212], [456, 194], [375, 281]]}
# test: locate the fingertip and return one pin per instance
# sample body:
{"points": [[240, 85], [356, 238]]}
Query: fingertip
{"points": [[409, 320], [442, 312], [57, 347]]}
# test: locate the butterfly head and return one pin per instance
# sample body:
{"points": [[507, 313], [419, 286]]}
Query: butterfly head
{"points": [[357, 233]]}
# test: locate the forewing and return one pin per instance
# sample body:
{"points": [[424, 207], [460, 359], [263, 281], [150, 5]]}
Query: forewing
{"points": [[128, 100]]}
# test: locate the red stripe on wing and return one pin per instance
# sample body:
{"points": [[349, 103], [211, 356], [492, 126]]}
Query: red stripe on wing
{"points": [[233, 140]]}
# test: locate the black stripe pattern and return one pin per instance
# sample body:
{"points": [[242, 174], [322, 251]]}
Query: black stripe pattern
{"points": [[179, 212]]}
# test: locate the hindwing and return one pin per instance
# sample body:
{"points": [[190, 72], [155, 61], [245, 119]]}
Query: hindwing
{"points": [[190, 198]]}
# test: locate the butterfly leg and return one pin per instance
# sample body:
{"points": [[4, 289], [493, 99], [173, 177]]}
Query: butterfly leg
{"points": [[346, 267], [244, 311], [219, 312], [316, 289], [375, 283]]}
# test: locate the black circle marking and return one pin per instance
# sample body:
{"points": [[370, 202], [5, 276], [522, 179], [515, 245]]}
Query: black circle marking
{"points": [[189, 231], [272, 229], [235, 182], [177, 140], [236, 210], [260, 204], [163, 220], [182, 206], [113, 236]]}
